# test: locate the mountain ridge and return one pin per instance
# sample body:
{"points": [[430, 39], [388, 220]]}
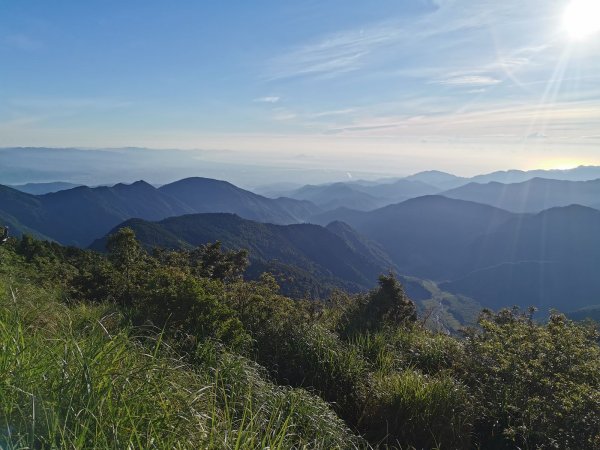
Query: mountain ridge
{"points": [[310, 247], [533, 195], [79, 215]]}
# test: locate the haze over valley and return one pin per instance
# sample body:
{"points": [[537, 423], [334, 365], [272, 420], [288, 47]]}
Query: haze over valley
{"points": [[525, 238], [329, 225]]}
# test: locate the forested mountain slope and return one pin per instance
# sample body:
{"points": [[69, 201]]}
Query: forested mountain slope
{"points": [[77, 216], [208, 195], [341, 258], [500, 258], [80, 215], [425, 236], [550, 259]]}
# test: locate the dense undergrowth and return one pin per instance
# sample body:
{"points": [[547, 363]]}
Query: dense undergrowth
{"points": [[175, 350]]}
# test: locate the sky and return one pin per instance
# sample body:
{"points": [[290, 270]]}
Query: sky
{"points": [[389, 87]]}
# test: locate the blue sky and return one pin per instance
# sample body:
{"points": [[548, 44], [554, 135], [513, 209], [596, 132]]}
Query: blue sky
{"points": [[389, 86]]}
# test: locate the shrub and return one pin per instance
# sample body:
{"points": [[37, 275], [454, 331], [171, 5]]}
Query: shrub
{"points": [[536, 385], [187, 308], [386, 306]]}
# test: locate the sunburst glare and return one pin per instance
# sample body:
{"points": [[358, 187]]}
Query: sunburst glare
{"points": [[581, 19]]}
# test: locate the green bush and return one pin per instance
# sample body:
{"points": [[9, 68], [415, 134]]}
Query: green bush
{"points": [[187, 308], [535, 385], [386, 306]]}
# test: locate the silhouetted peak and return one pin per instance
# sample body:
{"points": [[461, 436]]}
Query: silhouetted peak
{"points": [[569, 210], [136, 185], [199, 181]]}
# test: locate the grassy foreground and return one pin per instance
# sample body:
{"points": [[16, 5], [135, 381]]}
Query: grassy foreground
{"points": [[76, 377], [175, 350]]}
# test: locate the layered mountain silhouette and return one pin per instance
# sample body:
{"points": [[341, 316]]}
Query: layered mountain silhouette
{"points": [[446, 181], [549, 259], [533, 195], [335, 254], [537, 253], [307, 260], [438, 179], [361, 195], [337, 195], [208, 195], [44, 188], [514, 190], [424, 236], [80, 215]]}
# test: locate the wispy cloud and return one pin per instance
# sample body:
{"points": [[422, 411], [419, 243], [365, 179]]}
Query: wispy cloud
{"points": [[470, 80], [284, 116], [349, 50], [566, 120], [336, 54], [335, 112], [24, 112], [268, 99]]}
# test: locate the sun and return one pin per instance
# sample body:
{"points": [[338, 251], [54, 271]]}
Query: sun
{"points": [[581, 18], [561, 164]]}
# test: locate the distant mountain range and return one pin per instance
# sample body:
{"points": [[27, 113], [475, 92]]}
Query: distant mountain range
{"points": [[108, 166], [445, 181], [424, 236], [514, 190], [80, 215], [534, 195], [44, 188], [532, 242], [362, 196], [550, 259]]}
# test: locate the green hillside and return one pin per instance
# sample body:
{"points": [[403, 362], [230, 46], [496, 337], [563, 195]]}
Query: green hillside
{"points": [[499, 258], [174, 350], [313, 249], [308, 261]]}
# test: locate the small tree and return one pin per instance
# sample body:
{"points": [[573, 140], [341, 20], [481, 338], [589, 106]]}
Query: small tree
{"points": [[127, 257], [388, 305]]}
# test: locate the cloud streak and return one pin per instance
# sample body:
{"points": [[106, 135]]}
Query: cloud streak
{"points": [[470, 80], [268, 99], [562, 121], [351, 50]]}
